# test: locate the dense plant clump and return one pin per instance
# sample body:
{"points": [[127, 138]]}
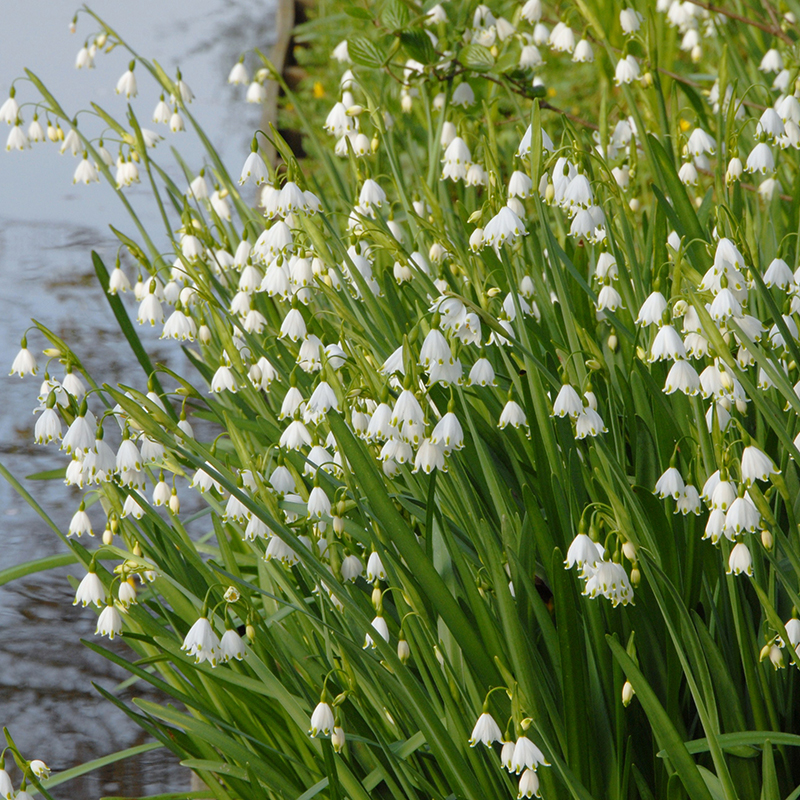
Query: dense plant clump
{"points": [[500, 409]]}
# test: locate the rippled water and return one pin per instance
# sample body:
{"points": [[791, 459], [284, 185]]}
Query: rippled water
{"points": [[48, 228]]}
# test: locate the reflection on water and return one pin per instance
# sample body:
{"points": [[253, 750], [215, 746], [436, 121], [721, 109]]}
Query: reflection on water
{"points": [[47, 230]]}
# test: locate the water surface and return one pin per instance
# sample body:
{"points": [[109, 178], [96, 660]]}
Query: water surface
{"points": [[48, 228]]}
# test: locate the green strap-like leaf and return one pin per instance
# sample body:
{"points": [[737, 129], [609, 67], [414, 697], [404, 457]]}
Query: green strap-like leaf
{"points": [[665, 732]]}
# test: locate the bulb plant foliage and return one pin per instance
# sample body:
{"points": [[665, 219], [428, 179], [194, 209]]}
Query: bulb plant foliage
{"points": [[500, 494]]}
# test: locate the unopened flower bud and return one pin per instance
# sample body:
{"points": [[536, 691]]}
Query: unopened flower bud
{"points": [[174, 502], [634, 204], [613, 342], [108, 536], [636, 577], [338, 525], [767, 539], [627, 693], [204, 334], [764, 652], [376, 597], [137, 551], [629, 551], [337, 739], [647, 80], [403, 650], [250, 631], [549, 193]]}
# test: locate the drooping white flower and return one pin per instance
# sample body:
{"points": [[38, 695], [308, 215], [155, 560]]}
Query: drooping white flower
{"points": [[90, 591], [482, 373], [79, 437], [295, 436], [772, 61], [670, 484], [567, 403], [375, 570], [238, 74], [486, 731], [756, 465], [688, 502], [667, 345], [770, 125], [382, 629], [430, 456], [256, 93], [723, 494], [463, 95], [231, 646], [589, 423], [688, 174], [448, 433], [528, 784], [109, 623], [202, 643], [700, 143], [562, 38], [24, 362], [761, 159], [322, 721], [527, 756], [583, 552], [610, 580], [254, 169], [740, 561], [457, 160], [583, 53], [48, 427], [407, 410], [352, 567], [682, 377], [9, 111], [741, 517], [627, 70], [127, 83], [532, 11], [513, 415], [319, 505], [505, 226], [126, 595], [86, 172], [630, 20], [652, 309]]}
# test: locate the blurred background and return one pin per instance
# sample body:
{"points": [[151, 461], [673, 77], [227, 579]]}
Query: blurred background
{"points": [[48, 227]]}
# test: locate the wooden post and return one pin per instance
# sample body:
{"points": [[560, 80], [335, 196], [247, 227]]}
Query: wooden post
{"points": [[284, 23]]}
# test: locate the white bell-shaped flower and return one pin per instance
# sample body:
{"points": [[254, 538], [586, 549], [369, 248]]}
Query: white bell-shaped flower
{"points": [[486, 731], [202, 643]]}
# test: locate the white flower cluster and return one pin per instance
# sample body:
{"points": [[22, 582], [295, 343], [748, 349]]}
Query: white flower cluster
{"points": [[520, 756]]}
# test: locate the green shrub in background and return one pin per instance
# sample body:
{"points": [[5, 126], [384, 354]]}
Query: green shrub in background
{"points": [[503, 499]]}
